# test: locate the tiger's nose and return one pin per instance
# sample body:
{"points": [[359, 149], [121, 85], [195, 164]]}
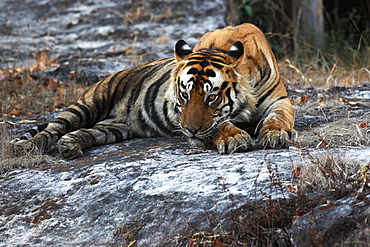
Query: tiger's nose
{"points": [[193, 131]]}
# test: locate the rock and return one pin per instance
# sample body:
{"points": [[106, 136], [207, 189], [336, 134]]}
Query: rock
{"points": [[148, 191], [344, 222], [89, 41], [147, 185]]}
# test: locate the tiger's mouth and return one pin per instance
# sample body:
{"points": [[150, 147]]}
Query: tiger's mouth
{"points": [[198, 133]]}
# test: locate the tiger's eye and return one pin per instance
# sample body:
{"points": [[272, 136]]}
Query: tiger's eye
{"points": [[211, 98], [184, 95]]}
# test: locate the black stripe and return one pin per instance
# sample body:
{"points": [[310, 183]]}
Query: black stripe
{"points": [[192, 71], [117, 134], [211, 52], [199, 57], [42, 127], [267, 108], [224, 85], [74, 111], [234, 87], [218, 66], [48, 132], [119, 87], [137, 88], [204, 63], [165, 114], [231, 102], [150, 70], [219, 55], [192, 63], [99, 103], [282, 97], [143, 123], [92, 137], [60, 134], [33, 132], [216, 60], [63, 122], [86, 111], [151, 96], [266, 94], [265, 72], [210, 73]]}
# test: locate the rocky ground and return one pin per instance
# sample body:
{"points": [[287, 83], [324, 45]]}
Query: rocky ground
{"points": [[154, 192]]}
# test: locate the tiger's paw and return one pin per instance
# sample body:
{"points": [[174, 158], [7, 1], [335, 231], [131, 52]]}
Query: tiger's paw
{"points": [[20, 147], [69, 148], [231, 139], [276, 137]]}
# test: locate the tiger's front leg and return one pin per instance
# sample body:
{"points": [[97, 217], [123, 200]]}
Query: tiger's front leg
{"points": [[230, 138], [277, 130]]}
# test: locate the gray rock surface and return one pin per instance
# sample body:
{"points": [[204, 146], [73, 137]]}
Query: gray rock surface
{"points": [[150, 182], [343, 222], [93, 38], [149, 186]]}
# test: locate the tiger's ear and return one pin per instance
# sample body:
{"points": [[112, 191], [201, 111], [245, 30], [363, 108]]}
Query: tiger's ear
{"points": [[235, 52], [182, 50]]}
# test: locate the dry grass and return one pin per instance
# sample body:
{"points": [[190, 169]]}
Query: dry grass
{"points": [[9, 161], [345, 133], [329, 172], [330, 75], [25, 94], [360, 239]]}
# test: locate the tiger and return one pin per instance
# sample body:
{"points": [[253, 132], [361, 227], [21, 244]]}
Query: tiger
{"points": [[224, 94]]}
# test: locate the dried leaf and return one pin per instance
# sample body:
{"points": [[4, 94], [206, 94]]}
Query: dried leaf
{"points": [[304, 98], [299, 215], [295, 217], [218, 243], [61, 91], [364, 125], [292, 188], [132, 243], [193, 242], [302, 212], [94, 181], [14, 112], [297, 172], [344, 100], [327, 206]]}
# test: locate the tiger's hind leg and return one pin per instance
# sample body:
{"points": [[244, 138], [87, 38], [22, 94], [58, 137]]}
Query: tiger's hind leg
{"points": [[71, 145], [35, 140]]}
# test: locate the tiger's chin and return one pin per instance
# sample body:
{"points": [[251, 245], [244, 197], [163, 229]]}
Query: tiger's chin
{"points": [[201, 139], [196, 142], [226, 139]]}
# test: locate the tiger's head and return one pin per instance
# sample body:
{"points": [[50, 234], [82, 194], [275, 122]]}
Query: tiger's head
{"points": [[209, 89]]}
